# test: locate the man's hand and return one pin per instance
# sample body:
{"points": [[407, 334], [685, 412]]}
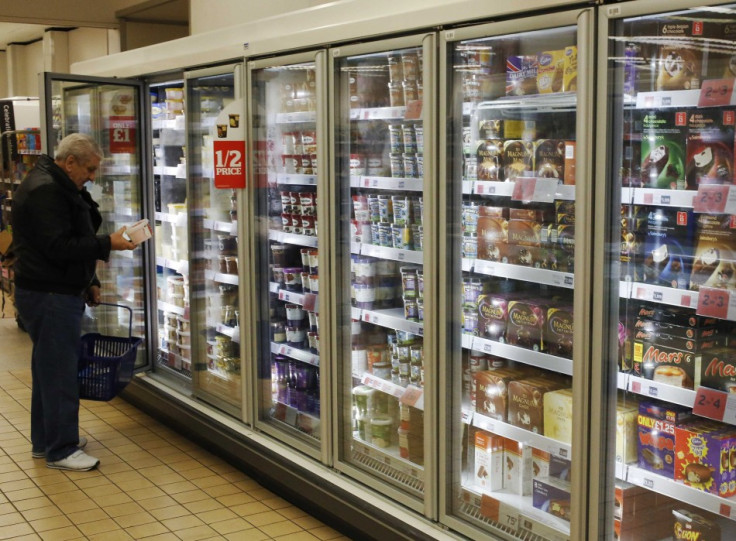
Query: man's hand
{"points": [[119, 242], [93, 296]]}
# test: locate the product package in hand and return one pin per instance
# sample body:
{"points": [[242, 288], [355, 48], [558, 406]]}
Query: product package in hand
{"points": [[138, 232]]}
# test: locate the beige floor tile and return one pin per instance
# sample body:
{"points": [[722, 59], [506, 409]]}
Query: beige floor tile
{"points": [[12, 476], [276, 503], [238, 498], [222, 490], [98, 526], [196, 533], [292, 512], [251, 534], [115, 499], [216, 515], [115, 535], [62, 534], [146, 531], [263, 519], [77, 506], [8, 519], [297, 536], [156, 502], [50, 523], [190, 496], [202, 506], [124, 509], [91, 515], [136, 519], [277, 529], [162, 537], [231, 525], [166, 513], [182, 523], [211, 480], [41, 512], [23, 494], [16, 530], [247, 509], [8, 507], [59, 488], [33, 503]]}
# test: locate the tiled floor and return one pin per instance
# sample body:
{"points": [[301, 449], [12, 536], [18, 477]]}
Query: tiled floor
{"points": [[152, 483]]}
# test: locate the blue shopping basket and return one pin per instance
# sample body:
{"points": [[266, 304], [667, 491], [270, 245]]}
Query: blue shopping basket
{"points": [[106, 362]]}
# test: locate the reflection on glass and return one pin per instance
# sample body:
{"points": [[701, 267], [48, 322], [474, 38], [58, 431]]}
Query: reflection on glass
{"points": [[286, 169], [512, 162], [110, 114], [213, 115], [381, 168], [673, 147]]}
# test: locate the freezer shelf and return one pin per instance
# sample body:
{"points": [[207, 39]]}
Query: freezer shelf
{"points": [[515, 433], [388, 463], [512, 514], [516, 353]]}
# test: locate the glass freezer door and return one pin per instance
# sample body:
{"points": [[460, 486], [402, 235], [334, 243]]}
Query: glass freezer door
{"points": [[672, 264], [287, 141], [215, 135], [381, 190], [110, 111], [511, 171]]}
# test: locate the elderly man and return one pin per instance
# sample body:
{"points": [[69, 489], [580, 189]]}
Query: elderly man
{"points": [[55, 223]]}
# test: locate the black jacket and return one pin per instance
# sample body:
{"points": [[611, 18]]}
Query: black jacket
{"points": [[54, 232]]}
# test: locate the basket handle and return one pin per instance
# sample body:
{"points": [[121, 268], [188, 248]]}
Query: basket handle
{"points": [[130, 313]]}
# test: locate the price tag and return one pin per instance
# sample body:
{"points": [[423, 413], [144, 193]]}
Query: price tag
{"points": [[467, 416], [715, 92], [490, 507], [412, 396], [413, 110], [725, 510], [523, 189], [291, 416], [711, 198], [714, 302], [710, 403], [542, 190]]}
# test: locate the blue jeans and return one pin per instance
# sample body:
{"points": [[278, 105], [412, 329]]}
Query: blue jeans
{"points": [[54, 323]]}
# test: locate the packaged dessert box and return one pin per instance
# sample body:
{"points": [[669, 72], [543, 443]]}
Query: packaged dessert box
{"points": [[550, 71], [492, 237], [718, 369], [540, 463], [518, 159], [493, 313], [570, 68], [689, 525], [663, 142], [633, 504], [714, 262], [491, 390], [549, 159], [552, 496], [702, 456], [673, 315], [570, 160], [657, 424], [521, 75], [679, 67], [626, 432], [654, 327], [488, 461], [665, 364], [526, 401], [668, 247], [559, 331], [526, 323], [710, 147], [558, 415], [633, 234], [517, 467]]}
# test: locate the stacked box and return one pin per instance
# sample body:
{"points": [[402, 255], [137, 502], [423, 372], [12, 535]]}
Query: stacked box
{"points": [[710, 147], [714, 263], [664, 135], [493, 315], [633, 235], [559, 331], [689, 525], [656, 449], [489, 451], [526, 401], [492, 390], [540, 463], [718, 369], [668, 247], [492, 233], [526, 323], [517, 467], [553, 496], [558, 415], [702, 451], [626, 432]]}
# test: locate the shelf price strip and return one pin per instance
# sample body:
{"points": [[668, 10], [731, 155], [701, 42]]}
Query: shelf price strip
{"points": [[715, 199]]}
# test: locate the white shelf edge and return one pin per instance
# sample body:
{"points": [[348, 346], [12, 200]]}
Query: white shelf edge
{"points": [[557, 448], [519, 272], [516, 353], [295, 353]]}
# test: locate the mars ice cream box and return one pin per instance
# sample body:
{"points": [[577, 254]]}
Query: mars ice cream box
{"points": [[664, 364], [702, 453], [668, 247], [718, 369], [663, 141], [656, 449]]}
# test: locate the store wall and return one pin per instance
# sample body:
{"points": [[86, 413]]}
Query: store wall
{"points": [[86, 43], [140, 34], [205, 15]]}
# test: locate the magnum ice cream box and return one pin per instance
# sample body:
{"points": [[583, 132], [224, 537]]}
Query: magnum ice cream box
{"points": [[663, 141], [714, 262], [656, 449]]}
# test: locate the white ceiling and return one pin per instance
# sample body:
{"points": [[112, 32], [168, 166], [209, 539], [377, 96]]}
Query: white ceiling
{"points": [[19, 33]]}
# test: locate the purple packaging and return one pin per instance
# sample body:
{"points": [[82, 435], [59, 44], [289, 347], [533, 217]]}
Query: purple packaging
{"points": [[521, 75], [656, 445], [552, 496], [493, 316], [668, 247]]}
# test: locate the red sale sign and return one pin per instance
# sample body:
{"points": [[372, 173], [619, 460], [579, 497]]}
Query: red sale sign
{"points": [[122, 134], [229, 164]]}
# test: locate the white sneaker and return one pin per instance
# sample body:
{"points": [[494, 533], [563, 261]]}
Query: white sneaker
{"points": [[77, 461], [42, 454]]}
